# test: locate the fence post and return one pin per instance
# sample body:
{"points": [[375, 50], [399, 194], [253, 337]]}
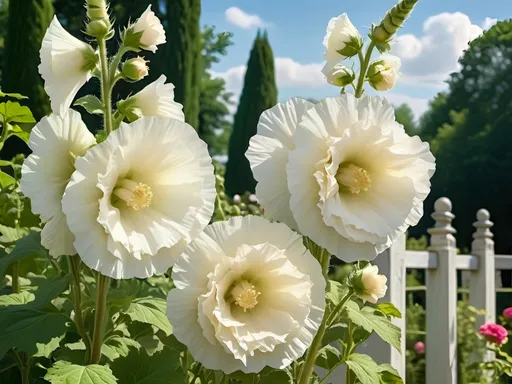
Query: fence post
{"points": [[441, 339], [391, 263], [482, 293]]}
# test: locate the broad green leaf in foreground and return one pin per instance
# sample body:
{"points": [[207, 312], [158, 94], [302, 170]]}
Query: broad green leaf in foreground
{"points": [[370, 321], [328, 357], [91, 104], [13, 95], [63, 372], [6, 180], [16, 298], [389, 375], [140, 368], [389, 310], [15, 112], [364, 368], [24, 326], [150, 310]]}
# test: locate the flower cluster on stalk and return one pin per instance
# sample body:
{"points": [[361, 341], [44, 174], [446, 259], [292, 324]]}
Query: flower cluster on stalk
{"points": [[340, 176]]}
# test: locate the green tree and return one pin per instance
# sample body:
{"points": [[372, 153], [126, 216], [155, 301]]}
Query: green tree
{"points": [[4, 12], [405, 116], [259, 93], [471, 135], [27, 24], [183, 52]]}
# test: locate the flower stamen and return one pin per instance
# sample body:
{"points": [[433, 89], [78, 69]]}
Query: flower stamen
{"points": [[136, 195], [354, 178], [245, 295]]}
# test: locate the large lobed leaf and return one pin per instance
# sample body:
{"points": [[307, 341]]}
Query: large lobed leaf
{"points": [[149, 310], [63, 372]]}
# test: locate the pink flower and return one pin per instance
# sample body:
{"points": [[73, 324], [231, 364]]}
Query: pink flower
{"points": [[507, 313], [494, 333], [419, 347]]}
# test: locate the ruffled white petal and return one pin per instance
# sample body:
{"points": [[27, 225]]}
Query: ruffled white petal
{"points": [[157, 99], [364, 132], [55, 142], [275, 332], [62, 61], [121, 242], [268, 154]]}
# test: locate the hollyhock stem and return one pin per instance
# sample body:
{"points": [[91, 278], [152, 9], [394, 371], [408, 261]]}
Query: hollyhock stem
{"points": [[364, 68], [102, 286], [106, 87], [74, 266]]}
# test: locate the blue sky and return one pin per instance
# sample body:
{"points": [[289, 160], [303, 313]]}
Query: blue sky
{"points": [[429, 44]]}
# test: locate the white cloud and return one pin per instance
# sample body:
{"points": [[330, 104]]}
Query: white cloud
{"points": [[429, 59], [289, 73], [488, 23], [236, 16]]}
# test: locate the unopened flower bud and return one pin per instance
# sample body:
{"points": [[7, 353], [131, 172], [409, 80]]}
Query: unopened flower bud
{"points": [[368, 285], [135, 69], [342, 39], [394, 19], [99, 28], [97, 9], [339, 75], [383, 73], [146, 33]]}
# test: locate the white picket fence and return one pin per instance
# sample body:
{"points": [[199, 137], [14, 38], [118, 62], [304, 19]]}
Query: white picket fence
{"points": [[441, 263]]}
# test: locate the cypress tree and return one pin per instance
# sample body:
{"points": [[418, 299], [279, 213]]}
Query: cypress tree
{"points": [[259, 94], [183, 50], [26, 27]]}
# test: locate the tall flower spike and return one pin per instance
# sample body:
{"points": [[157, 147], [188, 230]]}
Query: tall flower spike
{"points": [[66, 65], [394, 19]]}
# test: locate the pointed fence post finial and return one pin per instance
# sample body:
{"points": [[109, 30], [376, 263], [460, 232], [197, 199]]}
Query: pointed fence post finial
{"points": [[441, 353]]}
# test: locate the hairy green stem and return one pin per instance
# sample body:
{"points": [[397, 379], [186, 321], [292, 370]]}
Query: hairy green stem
{"points": [[364, 68], [349, 378], [25, 378], [309, 363], [76, 292], [15, 277], [106, 86], [102, 287]]}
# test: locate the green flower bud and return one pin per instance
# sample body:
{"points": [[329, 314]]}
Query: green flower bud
{"points": [[339, 75], [97, 9], [394, 19], [99, 28], [383, 73], [135, 69]]}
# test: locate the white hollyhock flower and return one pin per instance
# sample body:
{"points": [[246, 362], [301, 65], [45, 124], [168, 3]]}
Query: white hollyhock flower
{"points": [[153, 32], [268, 154], [55, 143], [369, 285], [383, 73], [138, 198], [248, 295], [156, 99], [357, 180], [342, 39], [66, 65]]}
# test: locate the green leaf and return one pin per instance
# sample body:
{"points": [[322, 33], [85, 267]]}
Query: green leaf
{"points": [[364, 368], [17, 298], [28, 246], [10, 235], [13, 95], [63, 372], [370, 321], [389, 310], [5, 163], [140, 368], [150, 310], [266, 376], [328, 357], [118, 346], [336, 332], [45, 350], [17, 131], [91, 104], [6, 180], [15, 112], [389, 375], [38, 321]]}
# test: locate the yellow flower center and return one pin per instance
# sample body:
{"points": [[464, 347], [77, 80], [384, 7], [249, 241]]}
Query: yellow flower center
{"points": [[354, 178], [245, 295], [136, 195]]}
